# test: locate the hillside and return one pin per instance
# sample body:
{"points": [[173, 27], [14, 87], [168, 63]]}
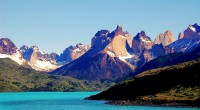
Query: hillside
{"points": [[14, 77], [173, 85]]}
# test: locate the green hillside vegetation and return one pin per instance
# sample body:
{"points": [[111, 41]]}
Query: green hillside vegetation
{"points": [[14, 77], [172, 85]]}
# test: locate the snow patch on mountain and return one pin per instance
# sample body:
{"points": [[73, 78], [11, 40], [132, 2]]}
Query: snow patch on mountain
{"points": [[144, 40], [15, 57], [192, 28], [44, 65], [184, 45]]}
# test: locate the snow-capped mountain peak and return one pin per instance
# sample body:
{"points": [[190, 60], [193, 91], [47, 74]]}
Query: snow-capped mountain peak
{"points": [[9, 50], [192, 28]]}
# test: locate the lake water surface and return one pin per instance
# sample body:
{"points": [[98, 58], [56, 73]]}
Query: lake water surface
{"points": [[63, 101]]}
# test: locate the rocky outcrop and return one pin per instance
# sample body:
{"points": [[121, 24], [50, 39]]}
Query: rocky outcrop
{"points": [[35, 52], [192, 32], [141, 42], [187, 41], [169, 59], [54, 56], [119, 43], [38, 59], [7, 46], [180, 35], [73, 52], [9, 50], [165, 38]]}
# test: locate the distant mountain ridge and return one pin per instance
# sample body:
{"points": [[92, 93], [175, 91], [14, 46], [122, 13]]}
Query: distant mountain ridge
{"points": [[116, 49], [168, 60], [118, 45], [73, 52], [100, 62], [36, 58]]}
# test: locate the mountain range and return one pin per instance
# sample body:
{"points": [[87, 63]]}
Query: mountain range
{"points": [[114, 55], [111, 56], [129, 70]]}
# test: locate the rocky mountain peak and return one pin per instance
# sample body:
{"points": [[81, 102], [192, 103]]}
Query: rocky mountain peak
{"points": [[118, 30], [102, 33], [35, 48], [180, 35], [192, 32], [54, 56], [141, 36], [24, 47], [119, 27], [165, 38], [140, 42], [197, 27], [73, 52], [7, 46], [142, 33], [101, 39]]}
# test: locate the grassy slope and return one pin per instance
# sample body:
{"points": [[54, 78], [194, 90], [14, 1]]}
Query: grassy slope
{"points": [[173, 84], [14, 77]]}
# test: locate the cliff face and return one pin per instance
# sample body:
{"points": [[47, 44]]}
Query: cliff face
{"points": [[180, 35], [165, 38], [188, 40], [38, 59], [73, 52], [192, 32], [9, 50], [141, 42], [7, 46]]}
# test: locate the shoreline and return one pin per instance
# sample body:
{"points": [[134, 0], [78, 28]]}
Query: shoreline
{"points": [[148, 103]]}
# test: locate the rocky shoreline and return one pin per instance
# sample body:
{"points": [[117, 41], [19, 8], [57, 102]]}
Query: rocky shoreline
{"points": [[149, 103]]}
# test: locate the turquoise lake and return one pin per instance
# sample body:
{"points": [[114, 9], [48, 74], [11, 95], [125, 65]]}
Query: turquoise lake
{"points": [[63, 101]]}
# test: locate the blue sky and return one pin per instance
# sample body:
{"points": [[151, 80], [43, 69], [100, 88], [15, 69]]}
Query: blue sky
{"points": [[53, 25]]}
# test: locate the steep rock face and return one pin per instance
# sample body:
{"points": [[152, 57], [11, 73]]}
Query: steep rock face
{"points": [[9, 50], [187, 41], [141, 42], [144, 57], [193, 31], [169, 59], [73, 52], [100, 40], [160, 50], [104, 61], [180, 35], [28, 52], [119, 43], [38, 59], [7, 46], [99, 67], [165, 38], [54, 56], [156, 51]]}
